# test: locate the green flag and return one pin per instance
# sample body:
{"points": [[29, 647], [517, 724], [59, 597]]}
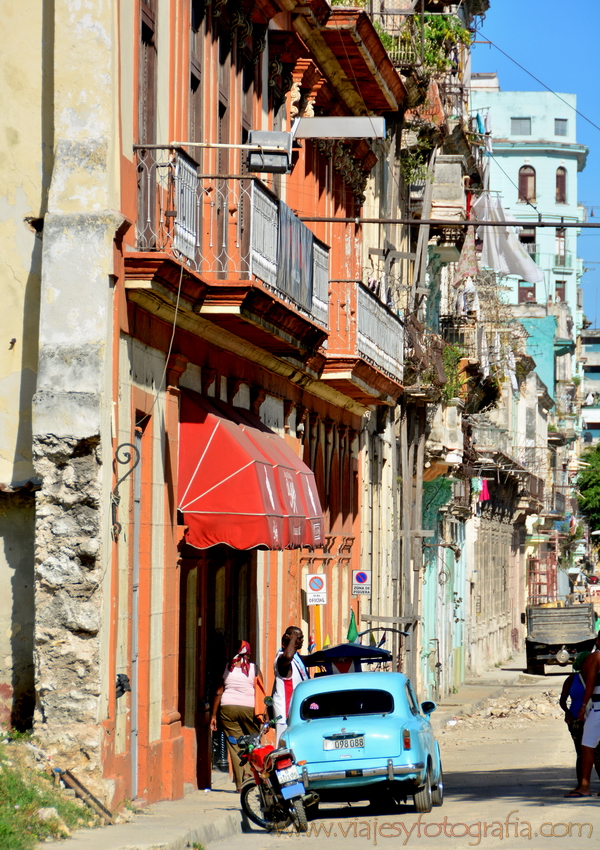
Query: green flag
{"points": [[352, 630]]}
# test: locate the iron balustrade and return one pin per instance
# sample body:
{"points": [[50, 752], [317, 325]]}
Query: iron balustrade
{"points": [[227, 225], [380, 334]]}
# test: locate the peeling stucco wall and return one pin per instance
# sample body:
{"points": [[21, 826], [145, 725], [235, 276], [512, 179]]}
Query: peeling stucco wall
{"points": [[71, 430]]}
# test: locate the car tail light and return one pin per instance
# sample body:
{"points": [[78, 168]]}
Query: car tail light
{"points": [[284, 763], [406, 739]]}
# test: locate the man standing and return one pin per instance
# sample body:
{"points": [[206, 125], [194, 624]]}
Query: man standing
{"points": [[591, 730], [289, 672]]}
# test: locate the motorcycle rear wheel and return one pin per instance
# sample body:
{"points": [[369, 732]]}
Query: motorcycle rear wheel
{"points": [[299, 815], [250, 799]]}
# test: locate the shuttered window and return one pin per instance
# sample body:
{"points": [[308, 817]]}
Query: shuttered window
{"points": [[526, 184], [520, 126], [561, 185]]}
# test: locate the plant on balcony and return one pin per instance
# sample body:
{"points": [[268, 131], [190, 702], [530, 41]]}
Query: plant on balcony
{"points": [[414, 166], [451, 357], [442, 33]]}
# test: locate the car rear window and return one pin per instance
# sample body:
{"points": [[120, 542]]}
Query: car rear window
{"points": [[346, 704]]}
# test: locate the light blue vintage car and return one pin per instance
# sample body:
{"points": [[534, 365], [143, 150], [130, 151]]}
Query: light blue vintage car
{"points": [[364, 735]]}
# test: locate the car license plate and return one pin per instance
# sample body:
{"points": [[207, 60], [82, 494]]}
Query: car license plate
{"points": [[288, 774], [343, 743]]}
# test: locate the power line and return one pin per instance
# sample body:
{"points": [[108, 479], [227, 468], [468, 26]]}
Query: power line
{"points": [[570, 105]]}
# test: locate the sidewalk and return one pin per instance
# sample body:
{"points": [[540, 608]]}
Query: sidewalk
{"points": [[204, 817]]}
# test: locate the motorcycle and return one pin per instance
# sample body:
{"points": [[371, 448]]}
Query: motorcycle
{"points": [[276, 796]]}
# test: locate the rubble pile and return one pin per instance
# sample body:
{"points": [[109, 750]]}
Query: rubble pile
{"points": [[506, 710]]}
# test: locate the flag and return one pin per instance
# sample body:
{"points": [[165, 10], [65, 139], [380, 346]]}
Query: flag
{"points": [[352, 630], [326, 642], [372, 641], [311, 643], [382, 641]]}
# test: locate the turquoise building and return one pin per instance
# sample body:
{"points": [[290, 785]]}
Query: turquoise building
{"points": [[533, 167]]}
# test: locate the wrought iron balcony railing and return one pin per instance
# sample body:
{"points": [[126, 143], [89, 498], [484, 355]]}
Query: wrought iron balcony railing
{"points": [[380, 334], [229, 226]]}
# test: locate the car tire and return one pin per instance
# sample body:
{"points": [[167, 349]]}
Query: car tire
{"points": [[250, 800], [298, 812], [437, 793], [422, 798]]}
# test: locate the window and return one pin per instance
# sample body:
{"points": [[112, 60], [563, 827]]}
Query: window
{"points": [[560, 287], [527, 239], [561, 185], [526, 184], [526, 293], [520, 126], [561, 247], [560, 126], [346, 704]]}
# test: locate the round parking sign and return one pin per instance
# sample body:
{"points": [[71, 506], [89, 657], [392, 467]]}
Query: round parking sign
{"points": [[361, 578], [316, 583]]}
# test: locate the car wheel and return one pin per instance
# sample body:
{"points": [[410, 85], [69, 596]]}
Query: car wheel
{"points": [[299, 816], [437, 793], [250, 799], [422, 798]]}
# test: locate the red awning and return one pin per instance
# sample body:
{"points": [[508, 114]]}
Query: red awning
{"points": [[239, 483]]}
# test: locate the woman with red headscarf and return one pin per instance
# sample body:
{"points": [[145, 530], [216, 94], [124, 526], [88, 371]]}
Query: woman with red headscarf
{"points": [[235, 702]]}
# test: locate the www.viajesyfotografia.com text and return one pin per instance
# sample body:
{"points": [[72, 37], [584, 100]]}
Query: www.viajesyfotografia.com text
{"points": [[510, 827]]}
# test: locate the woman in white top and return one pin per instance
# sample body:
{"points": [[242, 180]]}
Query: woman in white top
{"points": [[234, 703]]}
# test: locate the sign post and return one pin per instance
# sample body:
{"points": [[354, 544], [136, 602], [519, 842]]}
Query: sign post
{"points": [[316, 589], [361, 582]]}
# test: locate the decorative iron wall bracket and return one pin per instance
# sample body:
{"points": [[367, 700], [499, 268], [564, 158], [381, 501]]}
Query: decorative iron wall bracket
{"points": [[122, 456]]}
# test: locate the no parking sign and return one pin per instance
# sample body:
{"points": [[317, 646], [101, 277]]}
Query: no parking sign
{"points": [[361, 582], [316, 589]]}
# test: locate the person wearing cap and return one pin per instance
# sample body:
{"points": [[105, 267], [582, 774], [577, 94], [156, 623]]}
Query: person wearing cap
{"points": [[289, 671], [591, 730], [570, 701]]}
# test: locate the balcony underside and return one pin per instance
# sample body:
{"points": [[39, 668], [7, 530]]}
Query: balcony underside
{"points": [[359, 380], [246, 308]]}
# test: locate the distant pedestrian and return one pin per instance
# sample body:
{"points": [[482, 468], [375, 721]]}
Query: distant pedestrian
{"points": [[570, 701], [591, 730], [289, 671], [237, 702]]}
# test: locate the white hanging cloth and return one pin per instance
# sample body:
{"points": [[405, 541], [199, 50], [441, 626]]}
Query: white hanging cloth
{"points": [[502, 250]]}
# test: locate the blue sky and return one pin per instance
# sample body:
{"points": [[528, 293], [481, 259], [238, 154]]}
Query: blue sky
{"points": [[556, 41]]}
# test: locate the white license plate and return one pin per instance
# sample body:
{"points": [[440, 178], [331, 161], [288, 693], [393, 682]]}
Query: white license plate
{"points": [[288, 774], [343, 743]]}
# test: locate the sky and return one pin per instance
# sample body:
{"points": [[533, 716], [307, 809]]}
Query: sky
{"points": [[556, 41]]}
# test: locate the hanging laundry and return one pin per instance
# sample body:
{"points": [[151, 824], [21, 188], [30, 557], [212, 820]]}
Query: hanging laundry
{"points": [[488, 134], [485, 493], [467, 263], [502, 250], [476, 485], [511, 368], [484, 353], [480, 124]]}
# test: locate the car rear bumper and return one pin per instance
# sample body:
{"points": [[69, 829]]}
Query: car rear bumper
{"points": [[389, 771]]}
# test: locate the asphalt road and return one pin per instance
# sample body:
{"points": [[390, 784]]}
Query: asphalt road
{"points": [[504, 787]]}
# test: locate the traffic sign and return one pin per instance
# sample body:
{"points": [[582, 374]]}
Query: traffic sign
{"points": [[316, 589], [361, 582]]}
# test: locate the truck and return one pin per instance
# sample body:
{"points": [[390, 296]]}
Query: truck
{"points": [[556, 635]]}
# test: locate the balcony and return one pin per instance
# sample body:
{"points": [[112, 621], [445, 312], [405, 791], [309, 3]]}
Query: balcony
{"points": [[365, 355], [563, 261], [264, 275]]}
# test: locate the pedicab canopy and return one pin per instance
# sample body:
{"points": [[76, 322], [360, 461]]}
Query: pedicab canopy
{"points": [[240, 483], [346, 658]]}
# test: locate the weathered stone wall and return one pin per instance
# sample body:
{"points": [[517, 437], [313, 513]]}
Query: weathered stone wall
{"points": [[16, 610], [68, 602]]}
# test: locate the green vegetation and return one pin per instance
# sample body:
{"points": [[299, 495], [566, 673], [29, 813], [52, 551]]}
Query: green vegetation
{"points": [[451, 357], [442, 33], [23, 793], [588, 486]]}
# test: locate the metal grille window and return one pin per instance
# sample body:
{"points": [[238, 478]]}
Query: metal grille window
{"points": [[560, 126], [186, 205], [320, 299], [520, 126], [265, 235]]}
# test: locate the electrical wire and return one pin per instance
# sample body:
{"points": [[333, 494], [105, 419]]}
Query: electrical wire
{"points": [[570, 105]]}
